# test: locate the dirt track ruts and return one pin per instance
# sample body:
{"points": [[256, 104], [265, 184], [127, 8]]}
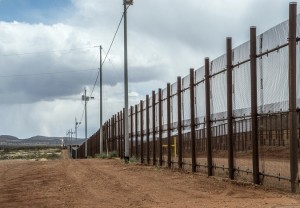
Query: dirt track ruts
{"points": [[110, 183]]}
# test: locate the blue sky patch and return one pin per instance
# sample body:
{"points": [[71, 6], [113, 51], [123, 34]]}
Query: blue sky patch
{"points": [[34, 11]]}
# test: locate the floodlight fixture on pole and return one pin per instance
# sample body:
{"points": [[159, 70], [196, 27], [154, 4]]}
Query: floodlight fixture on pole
{"points": [[126, 126], [129, 2]]}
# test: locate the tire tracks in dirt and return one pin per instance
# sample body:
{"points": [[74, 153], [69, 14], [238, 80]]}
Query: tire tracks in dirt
{"points": [[111, 183]]}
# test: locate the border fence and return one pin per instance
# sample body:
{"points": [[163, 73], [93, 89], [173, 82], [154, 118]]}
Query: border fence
{"points": [[237, 116]]}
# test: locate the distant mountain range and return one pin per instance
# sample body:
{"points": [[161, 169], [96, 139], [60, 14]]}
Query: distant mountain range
{"points": [[7, 140]]}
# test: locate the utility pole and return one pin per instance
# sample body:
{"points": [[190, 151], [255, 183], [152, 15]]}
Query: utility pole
{"points": [[126, 132], [85, 123], [100, 73], [85, 99], [71, 133], [67, 139], [76, 126]]}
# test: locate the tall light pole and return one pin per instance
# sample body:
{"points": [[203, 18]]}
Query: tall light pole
{"points": [[100, 73], [85, 99], [126, 132]]}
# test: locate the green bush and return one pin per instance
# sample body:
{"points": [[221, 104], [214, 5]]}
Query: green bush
{"points": [[113, 154], [101, 156], [133, 160], [110, 155]]}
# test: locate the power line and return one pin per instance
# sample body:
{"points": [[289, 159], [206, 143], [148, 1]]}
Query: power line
{"points": [[106, 56], [114, 38], [108, 51], [95, 84], [82, 115]]}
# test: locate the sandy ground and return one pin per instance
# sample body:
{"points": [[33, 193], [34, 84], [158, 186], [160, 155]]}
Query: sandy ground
{"points": [[111, 183]]}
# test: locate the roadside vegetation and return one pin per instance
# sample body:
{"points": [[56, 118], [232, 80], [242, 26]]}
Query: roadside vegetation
{"points": [[108, 155], [30, 153]]}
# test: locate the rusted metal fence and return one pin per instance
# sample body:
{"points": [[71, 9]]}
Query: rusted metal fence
{"points": [[236, 117]]}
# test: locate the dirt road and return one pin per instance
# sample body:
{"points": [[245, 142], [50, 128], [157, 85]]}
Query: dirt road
{"points": [[110, 183]]}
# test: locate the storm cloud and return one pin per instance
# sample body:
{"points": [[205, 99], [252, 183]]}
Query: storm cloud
{"points": [[47, 61]]}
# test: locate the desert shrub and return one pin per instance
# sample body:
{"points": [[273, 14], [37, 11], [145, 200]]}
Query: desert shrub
{"points": [[109, 155], [133, 160], [101, 156], [113, 154]]}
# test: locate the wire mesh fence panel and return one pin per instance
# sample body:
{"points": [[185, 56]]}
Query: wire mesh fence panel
{"points": [[218, 82], [164, 127], [274, 149], [218, 88], [220, 152], [200, 97], [273, 70], [186, 116], [200, 109], [157, 143], [273, 73], [186, 112], [201, 150], [241, 81], [174, 125], [174, 108], [187, 151], [150, 130], [273, 92], [150, 148], [161, 124], [243, 149]]}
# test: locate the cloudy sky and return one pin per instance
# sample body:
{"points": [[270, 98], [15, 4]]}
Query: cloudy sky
{"points": [[48, 54]]}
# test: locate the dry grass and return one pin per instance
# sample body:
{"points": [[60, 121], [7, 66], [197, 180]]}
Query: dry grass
{"points": [[30, 153]]}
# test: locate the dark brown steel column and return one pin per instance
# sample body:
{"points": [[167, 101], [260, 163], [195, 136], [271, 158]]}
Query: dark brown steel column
{"points": [[147, 129], [131, 131], [254, 120], [192, 109], [115, 134], [169, 123], [208, 122], [111, 135], [108, 135], [153, 129], [136, 133], [142, 133], [293, 97], [105, 137], [123, 133], [229, 109], [160, 125], [121, 124], [179, 122], [119, 135]]}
